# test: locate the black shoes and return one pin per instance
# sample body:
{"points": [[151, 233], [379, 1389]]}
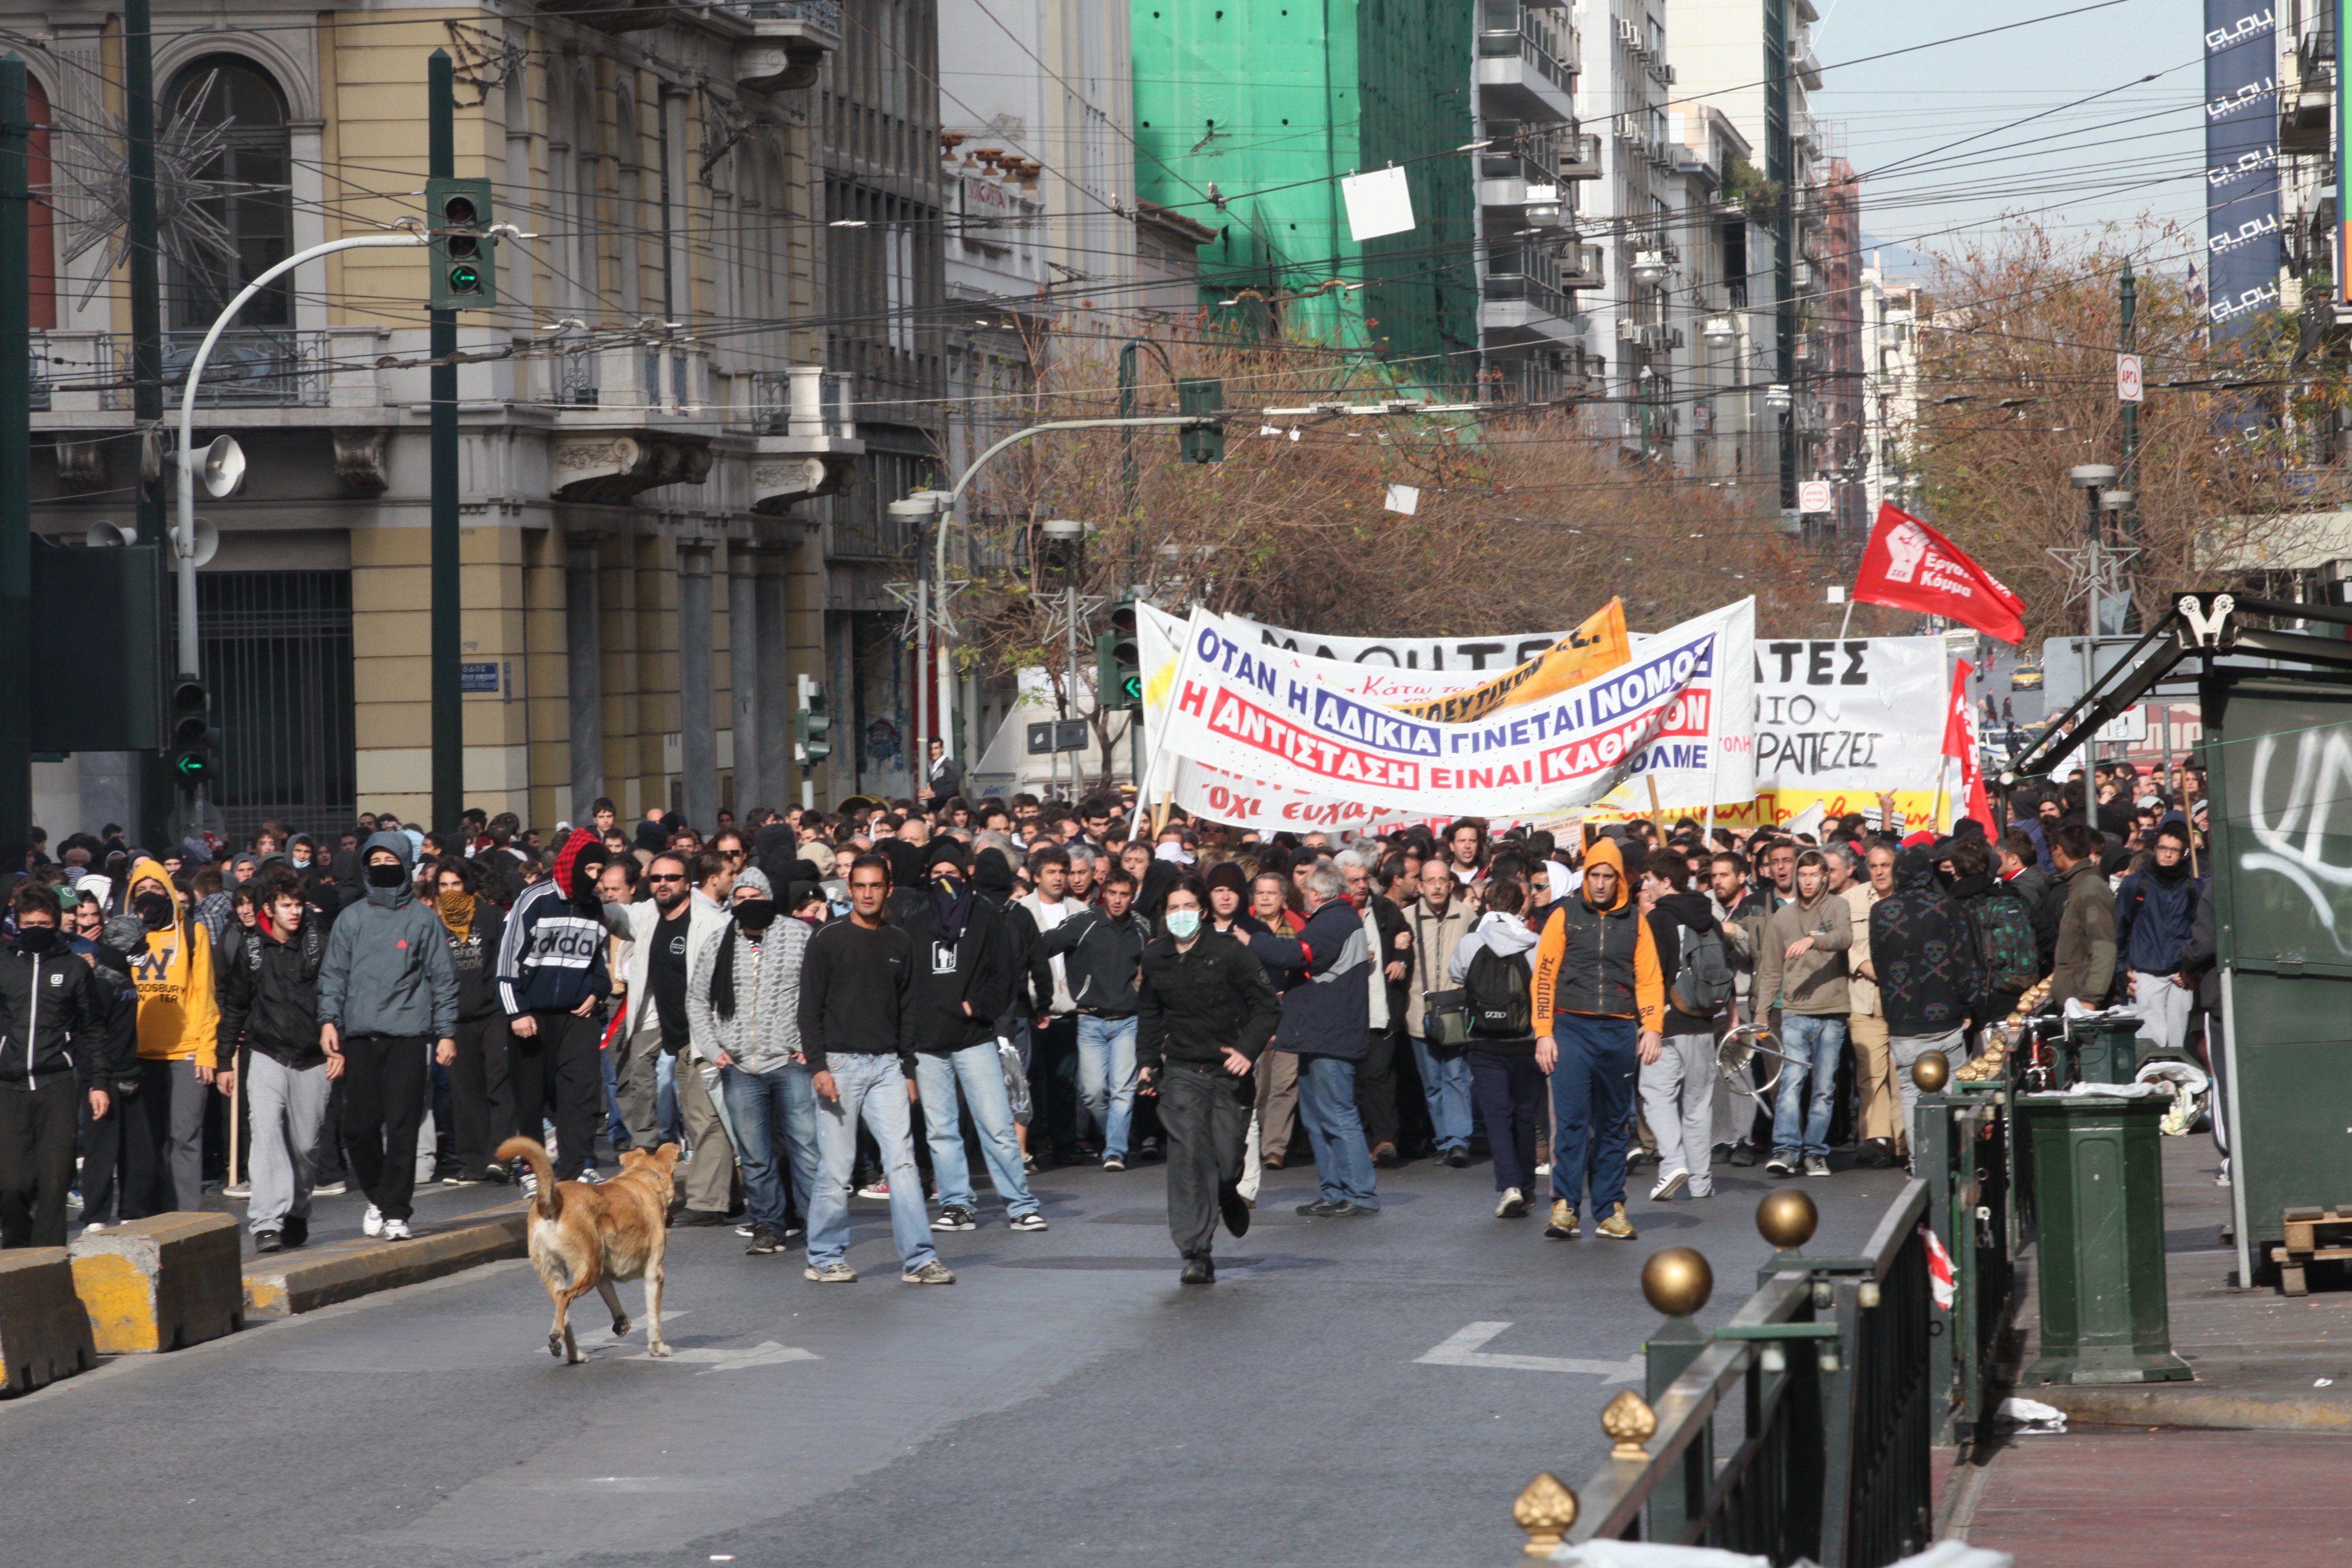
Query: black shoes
{"points": [[1235, 1209], [1457, 1158], [1353, 1210], [268, 1241], [1198, 1271], [1384, 1156], [1323, 1208], [695, 1219], [1743, 1153], [1875, 1155], [764, 1240]]}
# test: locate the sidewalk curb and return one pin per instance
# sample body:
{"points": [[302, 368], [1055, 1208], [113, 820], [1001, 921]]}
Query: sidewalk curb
{"points": [[2124, 1407], [309, 1277]]}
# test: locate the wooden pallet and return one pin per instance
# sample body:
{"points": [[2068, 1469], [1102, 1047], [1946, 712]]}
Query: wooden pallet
{"points": [[2304, 1246]]}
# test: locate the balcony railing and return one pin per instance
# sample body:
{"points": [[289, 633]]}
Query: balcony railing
{"points": [[1507, 27], [249, 367], [1528, 275], [829, 413], [825, 13]]}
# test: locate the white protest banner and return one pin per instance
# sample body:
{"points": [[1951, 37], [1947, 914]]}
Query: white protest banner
{"points": [[1291, 723], [1490, 654]]}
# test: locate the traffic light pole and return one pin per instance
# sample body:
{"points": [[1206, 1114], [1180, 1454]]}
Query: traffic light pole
{"points": [[448, 712], [16, 465]]}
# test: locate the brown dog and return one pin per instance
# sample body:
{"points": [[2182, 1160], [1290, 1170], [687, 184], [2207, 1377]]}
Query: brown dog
{"points": [[582, 1238]]}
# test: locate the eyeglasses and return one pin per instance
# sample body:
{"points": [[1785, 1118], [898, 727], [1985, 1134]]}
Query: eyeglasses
{"points": [[667, 877]]}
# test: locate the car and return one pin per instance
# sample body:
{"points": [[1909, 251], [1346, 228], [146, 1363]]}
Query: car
{"points": [[2025, 678]]}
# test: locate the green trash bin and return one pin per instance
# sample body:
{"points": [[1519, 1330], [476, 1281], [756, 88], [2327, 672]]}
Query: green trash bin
{"points": [[2098, 1194]]}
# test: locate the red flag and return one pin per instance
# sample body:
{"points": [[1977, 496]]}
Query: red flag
{"points": [[1960, 741], [1909, 566]]}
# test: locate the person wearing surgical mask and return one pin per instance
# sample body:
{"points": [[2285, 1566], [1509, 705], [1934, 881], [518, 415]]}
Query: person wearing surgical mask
{"points": [[1205, 1014]]}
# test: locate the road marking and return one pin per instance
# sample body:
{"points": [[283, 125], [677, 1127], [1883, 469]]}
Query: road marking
{"points": [[1461, 1350], [767, 1353]]}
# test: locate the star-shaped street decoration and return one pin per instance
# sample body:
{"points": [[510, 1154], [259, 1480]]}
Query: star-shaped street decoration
{"points": [[189, 235]]}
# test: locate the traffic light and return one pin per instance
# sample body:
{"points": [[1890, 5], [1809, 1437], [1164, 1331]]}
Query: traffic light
{"points": [[464, 269], [1118, 663], [812, 725], [194, 739], [1202, 442]]}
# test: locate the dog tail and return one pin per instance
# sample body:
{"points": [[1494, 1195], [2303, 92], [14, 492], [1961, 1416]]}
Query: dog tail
{"points": [[550, 1202]]}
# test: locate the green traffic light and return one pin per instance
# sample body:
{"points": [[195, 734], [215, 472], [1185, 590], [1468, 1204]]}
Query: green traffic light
{"points": [[465, 280], [191, 767]]}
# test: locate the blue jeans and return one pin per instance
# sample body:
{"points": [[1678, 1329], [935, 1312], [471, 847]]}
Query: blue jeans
{"points": [[1326, 1103], [1445, 1083], [874, 1089], [666, 1112], [764, 1107], [1591, 1106], [1107, 1077], [1814, 1045], [978, 1072]]}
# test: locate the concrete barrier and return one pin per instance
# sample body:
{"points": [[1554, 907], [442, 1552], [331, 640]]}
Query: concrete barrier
{"points": [[161, 1284], [309, 1277], [44, 1332]]}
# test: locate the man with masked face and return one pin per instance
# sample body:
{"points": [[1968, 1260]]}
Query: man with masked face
{"points": [[52, 1034], [179, 1020], [387, 994], [551, 977], [964, 978]]}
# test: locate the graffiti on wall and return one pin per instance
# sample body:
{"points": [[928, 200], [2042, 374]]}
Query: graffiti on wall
{"points": [[2297, 826]]}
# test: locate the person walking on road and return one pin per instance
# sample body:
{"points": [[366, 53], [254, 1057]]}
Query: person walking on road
{"points": [[1102, 952], [668, 933], [742, 1009], [553, 976], [269, 1004], [2156, 910], [53, 1043], [1800, 968], [1866, 1020], [387, 995], [1507, 1064], [481, 1105], [857, 1031], [1601, 999], [1439, 921], [1327, 1021], [1930, 963], [179, 1031], [1678, 1073], [1204, 1015]]}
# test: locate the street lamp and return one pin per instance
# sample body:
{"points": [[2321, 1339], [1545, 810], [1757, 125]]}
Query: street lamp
{"points": [[2090, 479], [1719, 332], [1649, 268]]}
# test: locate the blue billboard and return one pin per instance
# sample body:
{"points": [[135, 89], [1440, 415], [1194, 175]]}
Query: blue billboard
{"points": [[2242, 206]]}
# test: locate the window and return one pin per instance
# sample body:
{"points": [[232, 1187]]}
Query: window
{"points": [[245, 196]]}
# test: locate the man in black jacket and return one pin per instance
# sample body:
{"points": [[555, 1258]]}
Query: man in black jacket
{"points": [[1389, 943], [1930, 962], [51, 1034], [270, 1002], [1205, 1014], [1102, 950], [964, 979], [1326, 1020]]}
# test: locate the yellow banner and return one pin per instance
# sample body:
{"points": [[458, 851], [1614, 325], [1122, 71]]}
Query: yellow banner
{"points": [[1594, 649], [1921, 809]]}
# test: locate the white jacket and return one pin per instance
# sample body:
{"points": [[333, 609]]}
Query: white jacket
{"points": [[635, 923]]}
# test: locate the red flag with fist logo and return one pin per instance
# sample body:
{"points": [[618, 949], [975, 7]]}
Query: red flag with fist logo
{"points": [[1909, 566]]}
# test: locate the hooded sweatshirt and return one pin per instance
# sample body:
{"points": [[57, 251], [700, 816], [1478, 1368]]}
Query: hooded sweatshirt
{"points": [[1811, 985], [761, 1029], [1600, 963], [1506, 936], [1925, 946], [388, 970], [551, 958], [955, 965], [179, 1015]]}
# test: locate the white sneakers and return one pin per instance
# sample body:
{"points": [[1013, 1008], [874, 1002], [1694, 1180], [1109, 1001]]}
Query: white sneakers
{"points": [[1669, 1184], [1513, 1205], [373, 1223], [397, 1230]]}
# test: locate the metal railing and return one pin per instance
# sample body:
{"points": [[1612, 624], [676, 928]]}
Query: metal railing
{"points": [[1508, 27], [834, 414], [250, 366], [1967, 1148], [825, 13]]}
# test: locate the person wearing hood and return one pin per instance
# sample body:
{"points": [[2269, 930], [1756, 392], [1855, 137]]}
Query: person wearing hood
{"points": [[743, 1010], [1678, 1073], [551, 977], [1598, 1000], [179, 1025], [1102, 946], [270, 1003], [52, 1037], [965, 979], [2156, 910], [1930, 963], [1507, 1066], [387, 995], [1800, 968]]}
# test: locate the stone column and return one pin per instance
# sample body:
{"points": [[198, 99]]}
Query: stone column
{"points": [[752, 787], [771, 683], [585, 673], [698, 724]]}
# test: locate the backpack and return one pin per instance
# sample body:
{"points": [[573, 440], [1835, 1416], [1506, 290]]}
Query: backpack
{"points": [[2005, 931], [1702, 987], [1497, 987]]}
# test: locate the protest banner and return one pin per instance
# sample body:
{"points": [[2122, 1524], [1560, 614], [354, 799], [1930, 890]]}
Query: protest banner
{"points": [[1300, 725]]}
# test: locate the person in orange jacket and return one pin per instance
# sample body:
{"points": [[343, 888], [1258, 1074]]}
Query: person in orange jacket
{"points": [[1599, 1001], [179, 1020]]}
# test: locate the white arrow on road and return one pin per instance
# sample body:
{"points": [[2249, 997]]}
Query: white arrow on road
{"points": [[1461, 1350], [767, 1353]]}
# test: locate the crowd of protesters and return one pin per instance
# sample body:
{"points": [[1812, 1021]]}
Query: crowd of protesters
{"points": [[1043, 983]]}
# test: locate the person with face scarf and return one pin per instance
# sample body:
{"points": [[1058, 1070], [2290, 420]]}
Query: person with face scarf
{"points": [[742, 1007], [964, 980], [51, 1037], [481, 1112], [2156, 911], [552, 978], [179, 1020], [387, 994]]}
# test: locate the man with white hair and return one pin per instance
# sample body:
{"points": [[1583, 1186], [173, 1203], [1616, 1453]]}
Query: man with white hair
{"points": [[1324, 973]]}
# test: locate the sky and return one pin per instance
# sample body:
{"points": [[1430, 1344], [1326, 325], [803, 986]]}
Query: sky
{"points": [[2137, 149]]}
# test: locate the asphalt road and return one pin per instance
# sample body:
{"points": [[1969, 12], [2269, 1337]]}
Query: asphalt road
{"points": [[1064, 1404]]}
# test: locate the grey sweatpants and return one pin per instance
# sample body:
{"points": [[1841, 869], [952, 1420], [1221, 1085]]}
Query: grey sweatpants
{"points": [[175, 1120], [1907, 1049], [1678, 1102], [289, 1107]]}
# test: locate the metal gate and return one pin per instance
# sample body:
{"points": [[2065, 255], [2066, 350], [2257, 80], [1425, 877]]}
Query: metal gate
{"points": [[276, 651]]}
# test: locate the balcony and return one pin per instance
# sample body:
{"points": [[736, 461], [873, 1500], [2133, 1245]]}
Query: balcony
{"points": [[1579, 156], [1580, 267], [807, 429], [250, 367], [1526, 63], [2306, 93], [1523, 304], [788, 42]]}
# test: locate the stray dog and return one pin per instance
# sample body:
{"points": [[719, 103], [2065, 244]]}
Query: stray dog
{"points": [[584, 1239]]}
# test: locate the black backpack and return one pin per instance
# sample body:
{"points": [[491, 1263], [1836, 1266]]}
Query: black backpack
{"points": [[1498, 986], [1703, 985]]}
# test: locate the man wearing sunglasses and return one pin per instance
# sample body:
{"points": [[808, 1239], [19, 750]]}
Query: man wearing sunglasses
{"points": [[666, 933]]}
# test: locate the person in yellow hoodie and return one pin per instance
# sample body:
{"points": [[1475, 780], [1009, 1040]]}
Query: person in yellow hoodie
{"points": [[1599, 1001], [179, 1020]]}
